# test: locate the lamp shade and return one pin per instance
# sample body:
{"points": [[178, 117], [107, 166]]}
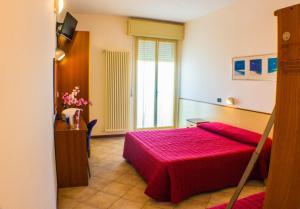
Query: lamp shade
{"points": [[58, 6], [59, 54], [230, 101]]}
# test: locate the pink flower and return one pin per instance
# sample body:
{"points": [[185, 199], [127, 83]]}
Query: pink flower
{"points": [[70, 99]]}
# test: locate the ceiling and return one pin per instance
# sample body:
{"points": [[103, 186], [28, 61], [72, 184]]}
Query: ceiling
{"points": [[171, 10]]}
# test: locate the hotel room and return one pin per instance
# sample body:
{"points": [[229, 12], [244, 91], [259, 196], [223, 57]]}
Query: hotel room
{"points": [[150, 104]]}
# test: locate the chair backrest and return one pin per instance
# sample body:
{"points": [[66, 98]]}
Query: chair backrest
{"points": [[90, 127]]}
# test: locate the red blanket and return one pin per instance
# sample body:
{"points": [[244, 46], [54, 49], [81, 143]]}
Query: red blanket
{"points": [[181, 162], [252, 202]]}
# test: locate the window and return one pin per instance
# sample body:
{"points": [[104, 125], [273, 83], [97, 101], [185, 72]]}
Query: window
{"points": [[155, 83]]}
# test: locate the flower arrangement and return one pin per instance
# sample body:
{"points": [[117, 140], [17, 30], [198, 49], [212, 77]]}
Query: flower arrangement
{"points": [[71, 100]]}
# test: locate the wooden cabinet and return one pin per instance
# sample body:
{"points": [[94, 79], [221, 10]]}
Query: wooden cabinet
{"points": [[71, 155], [283, 186]]}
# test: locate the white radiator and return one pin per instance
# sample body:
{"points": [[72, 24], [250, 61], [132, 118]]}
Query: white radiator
{"points": [[117, 93]]}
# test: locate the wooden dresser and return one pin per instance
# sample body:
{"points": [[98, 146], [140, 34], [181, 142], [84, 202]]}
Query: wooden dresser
{"points": [[71, 155]]}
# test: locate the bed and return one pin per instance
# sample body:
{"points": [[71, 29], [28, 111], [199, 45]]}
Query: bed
{"points": [[255, 201], [179, 163]]}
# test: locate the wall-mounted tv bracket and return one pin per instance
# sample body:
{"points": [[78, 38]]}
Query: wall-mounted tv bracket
{"points": [[58, 32], [58, 28]]}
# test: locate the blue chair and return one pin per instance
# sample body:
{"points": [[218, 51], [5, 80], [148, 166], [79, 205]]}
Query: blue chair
{"points": [[90, 127]]}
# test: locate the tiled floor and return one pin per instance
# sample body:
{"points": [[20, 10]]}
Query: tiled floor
{"points": [[115, 185]]}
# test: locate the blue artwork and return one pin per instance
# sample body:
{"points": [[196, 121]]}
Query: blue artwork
{"points": [[259, 67], [239, 67], [272, 65], [256, 66]]}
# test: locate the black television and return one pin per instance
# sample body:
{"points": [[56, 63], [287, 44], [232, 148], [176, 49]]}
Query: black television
{"points": [[68, 26]]}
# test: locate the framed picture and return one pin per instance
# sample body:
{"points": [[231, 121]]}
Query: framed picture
{"points": [[259, 67]]}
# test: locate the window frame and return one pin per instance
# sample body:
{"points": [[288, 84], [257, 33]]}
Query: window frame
{"points": [[176, 80]]}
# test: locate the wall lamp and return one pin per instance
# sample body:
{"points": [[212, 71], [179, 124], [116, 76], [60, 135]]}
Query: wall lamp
{"points": [[231, 101], [58, 6], [59, 54]]}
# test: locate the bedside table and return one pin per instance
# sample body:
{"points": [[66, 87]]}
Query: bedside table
{"points": [[192, 122]]}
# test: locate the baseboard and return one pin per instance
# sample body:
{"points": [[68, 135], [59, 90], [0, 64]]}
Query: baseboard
{"points": [[107, 136]]}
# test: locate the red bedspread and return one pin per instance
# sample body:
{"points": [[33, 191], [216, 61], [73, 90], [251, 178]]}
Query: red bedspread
{"points": [[255, 201], [181, 162]]}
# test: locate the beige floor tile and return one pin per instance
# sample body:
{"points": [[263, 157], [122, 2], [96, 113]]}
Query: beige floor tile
{"points": [[220, 197], [161, 205], [84, 206], [117, 188], [97, 151], [96, 157], [126, 204], [191, 204], [142, 185], [118, 156], [256, 183], [129, 179], [136, 194], [93, 159], [103, 163], [98, 160], [250, 190], [67, 203], [122, 167], [115, 158], [95, 170], [78, 193], [98, 183], [150, 207], [132, 171], [70, 192], [108, 175], [202, 198], [116, 151], [101, 200]]}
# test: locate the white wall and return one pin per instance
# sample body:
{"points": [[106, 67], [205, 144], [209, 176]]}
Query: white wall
{"points": [[106, 32], [27, 166], [249, 120], [247, 27]]}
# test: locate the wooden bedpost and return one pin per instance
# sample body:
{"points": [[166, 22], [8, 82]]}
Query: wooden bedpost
{"points": [[283, 187]]}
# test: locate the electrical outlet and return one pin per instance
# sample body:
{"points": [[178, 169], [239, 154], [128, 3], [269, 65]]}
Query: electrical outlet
{"points": [[219, 100]]}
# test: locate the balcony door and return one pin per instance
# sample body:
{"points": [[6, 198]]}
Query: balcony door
{"points": [[155, 83]]}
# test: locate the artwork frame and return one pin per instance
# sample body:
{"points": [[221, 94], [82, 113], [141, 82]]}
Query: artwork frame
{"points": [[257, 67]]}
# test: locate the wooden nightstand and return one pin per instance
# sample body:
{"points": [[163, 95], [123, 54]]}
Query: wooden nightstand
{"points": [[192, 122]]}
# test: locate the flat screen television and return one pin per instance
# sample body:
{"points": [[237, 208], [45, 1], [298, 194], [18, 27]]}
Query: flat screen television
{"points": [[68, 26]]}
